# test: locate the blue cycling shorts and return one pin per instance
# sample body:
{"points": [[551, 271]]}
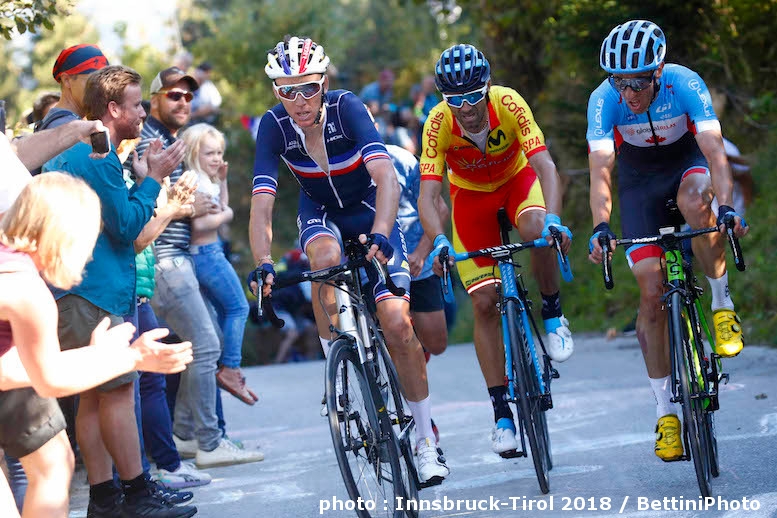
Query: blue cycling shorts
{"points": [[312, 220]]}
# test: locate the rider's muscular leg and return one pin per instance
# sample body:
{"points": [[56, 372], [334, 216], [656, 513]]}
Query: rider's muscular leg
{"points": [[693, 199], [405, 349], [651, 320], [543, 260], [487, 337], [323, 253]]}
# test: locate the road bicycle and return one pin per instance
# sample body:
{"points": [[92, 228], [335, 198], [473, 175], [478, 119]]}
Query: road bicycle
{"points": [[368, 418], [528, 371], [696, 369]]}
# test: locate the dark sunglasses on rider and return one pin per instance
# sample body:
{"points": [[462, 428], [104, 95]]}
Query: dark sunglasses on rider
{"points": [[471, 98], [307, 90], [176, 95], [635, 83]]}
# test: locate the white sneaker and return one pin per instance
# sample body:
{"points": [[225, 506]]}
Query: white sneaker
{"points": [[186, 449], [185, 476], [429, 463], [560, 344], [503, 439], [226, 454]]}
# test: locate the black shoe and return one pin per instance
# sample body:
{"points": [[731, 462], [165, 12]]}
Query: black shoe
{"points": [[169, 496], [110, 510], [150, 505]]}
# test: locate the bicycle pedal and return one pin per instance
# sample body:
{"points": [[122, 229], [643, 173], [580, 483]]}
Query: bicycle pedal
{"points": [[512, 454], [554, 374], [434, 481], [724, 378]]}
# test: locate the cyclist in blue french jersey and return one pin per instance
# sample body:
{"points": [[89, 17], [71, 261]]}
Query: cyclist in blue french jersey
{"points": [[658, 118], [329, 143]]}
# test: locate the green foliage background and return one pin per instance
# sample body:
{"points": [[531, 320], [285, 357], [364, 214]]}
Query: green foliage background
{"points": [[547, 50]]}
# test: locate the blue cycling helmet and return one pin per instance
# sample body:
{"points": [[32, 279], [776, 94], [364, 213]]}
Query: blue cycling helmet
{"points": [[632, 47], [461, 68]]}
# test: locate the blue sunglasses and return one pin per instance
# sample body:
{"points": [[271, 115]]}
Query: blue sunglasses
{"points": [[471, 98]]}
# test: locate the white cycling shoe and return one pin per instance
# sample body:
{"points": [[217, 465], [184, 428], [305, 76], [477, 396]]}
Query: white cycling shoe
{"points": [[503, 439], [559, 343], [430, 463]]}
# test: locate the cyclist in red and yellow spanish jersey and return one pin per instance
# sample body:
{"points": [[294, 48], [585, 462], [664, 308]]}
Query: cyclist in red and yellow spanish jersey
{"points": [[494, 152]]}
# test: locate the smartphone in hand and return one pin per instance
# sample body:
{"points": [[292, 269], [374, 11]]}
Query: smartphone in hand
{"points": [[100, 142]]}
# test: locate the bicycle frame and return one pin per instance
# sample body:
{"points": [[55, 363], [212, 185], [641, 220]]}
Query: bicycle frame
{"points": [[509, 290]]}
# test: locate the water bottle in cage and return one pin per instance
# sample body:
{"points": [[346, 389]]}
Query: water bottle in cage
{"points": [[348, 315]]}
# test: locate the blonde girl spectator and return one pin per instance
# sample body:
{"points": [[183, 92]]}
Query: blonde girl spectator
{"points": [[47, 236], [217, 278]]}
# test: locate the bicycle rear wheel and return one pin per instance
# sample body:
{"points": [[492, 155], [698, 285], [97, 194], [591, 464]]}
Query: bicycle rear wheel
{"points": [[694, 421], [366, 453], [402, 424], [529, 395]]}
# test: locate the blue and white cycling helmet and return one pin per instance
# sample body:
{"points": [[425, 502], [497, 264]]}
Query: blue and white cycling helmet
{"points": [[461, 68], [296, 57], [632, 47]]}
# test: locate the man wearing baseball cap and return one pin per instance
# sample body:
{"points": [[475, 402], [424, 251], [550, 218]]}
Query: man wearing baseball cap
{"points": [[71, 70]]}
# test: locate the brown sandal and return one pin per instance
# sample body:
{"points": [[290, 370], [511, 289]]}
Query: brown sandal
{"points": [[233, 381]]}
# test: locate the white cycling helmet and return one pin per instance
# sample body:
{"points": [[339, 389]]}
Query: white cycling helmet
{"points": [[296, 57]]}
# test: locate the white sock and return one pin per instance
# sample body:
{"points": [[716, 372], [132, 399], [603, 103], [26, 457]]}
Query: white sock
{"points": [[663, 394], [422, 414], [325, 346], [721, 298]]}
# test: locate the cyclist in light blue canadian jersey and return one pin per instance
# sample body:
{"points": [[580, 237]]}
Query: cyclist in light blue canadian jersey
{"points": [[331, 146], [426, 300], [658, 120]]}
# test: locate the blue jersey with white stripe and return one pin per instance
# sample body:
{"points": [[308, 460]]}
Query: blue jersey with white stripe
{"points": [[351, 141], [682, 105]]}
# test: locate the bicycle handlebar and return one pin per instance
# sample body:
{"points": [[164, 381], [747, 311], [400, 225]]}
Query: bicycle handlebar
{"points": [[355, 252], [673, 239], [501, 251]]}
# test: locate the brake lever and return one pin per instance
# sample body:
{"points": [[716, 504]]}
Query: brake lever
{"points": [[563, 260], [604, 242], [733, 242], [443, 258]]}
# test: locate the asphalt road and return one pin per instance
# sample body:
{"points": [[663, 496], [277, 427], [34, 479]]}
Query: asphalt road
{"points": [[601, 430]]}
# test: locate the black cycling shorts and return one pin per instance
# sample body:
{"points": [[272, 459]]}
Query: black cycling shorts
{"points": [[647, 180], [426, 295]]}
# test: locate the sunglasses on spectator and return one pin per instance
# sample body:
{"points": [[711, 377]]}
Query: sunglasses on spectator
{"points": [[635, 83], [176, 95], [471, 98], [307, 90]]}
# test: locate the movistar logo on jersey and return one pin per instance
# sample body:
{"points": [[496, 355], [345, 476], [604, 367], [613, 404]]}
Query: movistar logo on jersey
{"points": [[496, 140]]}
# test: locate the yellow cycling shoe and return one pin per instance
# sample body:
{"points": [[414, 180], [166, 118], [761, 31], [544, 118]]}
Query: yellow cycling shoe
{"points": [[728, 333], [669, 439]]}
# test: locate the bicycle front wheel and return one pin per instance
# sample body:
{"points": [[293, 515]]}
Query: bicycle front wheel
{"points": [[705, 376], [367, 456], [529, 396], [402, 424], [694, 421]]}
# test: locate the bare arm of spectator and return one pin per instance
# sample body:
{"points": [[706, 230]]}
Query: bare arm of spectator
{"points": [[210, 222], [54, 373], [224, 188], [37, 148], [176, 206]]}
